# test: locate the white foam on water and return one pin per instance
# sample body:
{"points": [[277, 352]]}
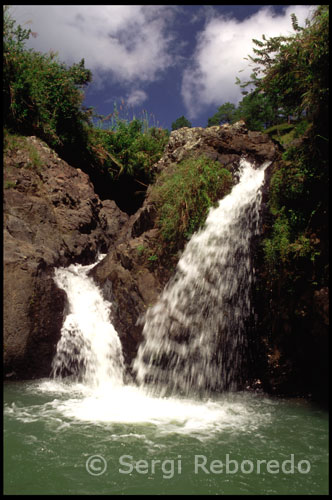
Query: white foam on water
{"points": [[131, 405]]}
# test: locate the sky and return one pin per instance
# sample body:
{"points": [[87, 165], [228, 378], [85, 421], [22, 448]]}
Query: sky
{"points": [[158, 62]]}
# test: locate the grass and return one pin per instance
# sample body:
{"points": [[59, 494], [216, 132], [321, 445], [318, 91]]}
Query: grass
{"points": [[9, 184], [285, 133], [183, 195]]}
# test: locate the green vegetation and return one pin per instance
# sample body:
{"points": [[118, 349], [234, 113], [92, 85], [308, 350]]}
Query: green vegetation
{"points": [[140, 249], [9, 184], [294, 68], [128, 149], [289, 80], [289, 101], [285, 133], [147, 255], [254, 109], [183, 195], [295, 81], [181, 122], [294, 264], [298, 203], [43, 97]]}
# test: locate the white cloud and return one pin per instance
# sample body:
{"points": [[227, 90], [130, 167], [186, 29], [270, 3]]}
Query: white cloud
{"points": [[136, 98], [128, 42], [220, 52]]}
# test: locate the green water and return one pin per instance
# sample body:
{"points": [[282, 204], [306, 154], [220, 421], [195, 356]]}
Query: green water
{"points": [[64, 441]]}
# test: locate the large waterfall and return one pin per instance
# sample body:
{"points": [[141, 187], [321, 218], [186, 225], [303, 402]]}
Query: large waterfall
{"points": [[194, 337]]}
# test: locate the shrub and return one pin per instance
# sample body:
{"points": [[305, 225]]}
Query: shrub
{"points": [[42, 96], [130, 149], [296, 245]]}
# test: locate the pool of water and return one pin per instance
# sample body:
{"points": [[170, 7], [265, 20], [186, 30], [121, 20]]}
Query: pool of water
{"points": [[66, 439]]}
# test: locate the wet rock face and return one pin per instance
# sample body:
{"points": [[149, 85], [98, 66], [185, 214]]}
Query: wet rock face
{"points": [[292, 330], [132, 283], [52, 217], [33, 317]]}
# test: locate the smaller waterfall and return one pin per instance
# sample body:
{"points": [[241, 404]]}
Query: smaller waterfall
{"points": [[194, 337], [89, 348]]}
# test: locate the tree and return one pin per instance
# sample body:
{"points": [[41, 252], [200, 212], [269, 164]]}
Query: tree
{"points": [[256, 110], [225, 114], [292, 71], [180, 123]]}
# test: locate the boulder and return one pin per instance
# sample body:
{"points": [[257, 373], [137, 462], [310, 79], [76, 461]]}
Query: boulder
{"points": [[223, 143]]}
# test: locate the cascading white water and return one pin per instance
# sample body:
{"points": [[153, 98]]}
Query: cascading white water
{"points": [[194, 336], [89, 348], [89, 368]]}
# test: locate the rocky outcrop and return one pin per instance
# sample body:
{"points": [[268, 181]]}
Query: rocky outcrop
{"points": [[130, 281], [52, 217], [226, 144]]}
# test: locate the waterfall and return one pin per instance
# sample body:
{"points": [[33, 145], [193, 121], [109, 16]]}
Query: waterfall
{"points": [[194, 337], [89, 348]]}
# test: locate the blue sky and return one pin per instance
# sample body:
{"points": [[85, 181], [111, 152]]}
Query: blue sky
{"points": [[161, 61]]}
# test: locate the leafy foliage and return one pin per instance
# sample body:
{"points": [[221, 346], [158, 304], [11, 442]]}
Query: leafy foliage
{"points": [[13, 142], [128, 149], [289, 78], [41, 95], [292, 71], [298, 193], [296, 201], [256, 110]]}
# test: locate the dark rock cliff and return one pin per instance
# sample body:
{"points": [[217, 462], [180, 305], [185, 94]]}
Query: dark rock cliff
{"points": [[52, 217]]}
